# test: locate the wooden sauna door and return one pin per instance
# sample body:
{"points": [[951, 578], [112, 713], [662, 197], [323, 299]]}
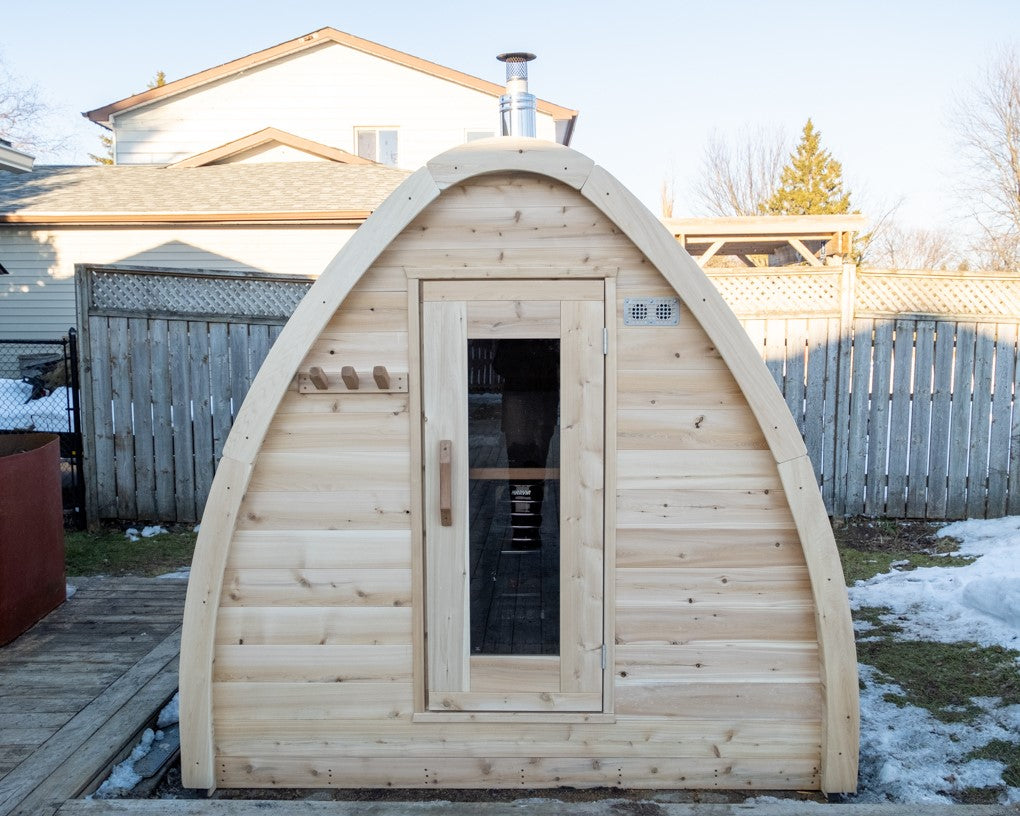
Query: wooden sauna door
{"points": [[513, 430]]}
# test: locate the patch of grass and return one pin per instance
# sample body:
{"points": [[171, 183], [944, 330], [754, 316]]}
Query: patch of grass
{"points": [[110, 552], [980, 796], [944, 677], [879, 628], [1008, 753], [870, 546], [860, 565]]}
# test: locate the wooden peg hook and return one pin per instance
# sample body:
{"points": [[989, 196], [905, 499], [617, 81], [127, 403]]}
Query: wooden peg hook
{"points": [[350, 377], [318, 378]]}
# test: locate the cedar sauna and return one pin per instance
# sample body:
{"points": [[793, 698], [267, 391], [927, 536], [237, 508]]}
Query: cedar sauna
{"points": [[513, 502]]}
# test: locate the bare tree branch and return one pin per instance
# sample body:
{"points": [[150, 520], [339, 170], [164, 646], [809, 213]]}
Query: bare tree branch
{"points": [[23, 115], [987, 123], [899, 247], [667, 195], [738, 177]]}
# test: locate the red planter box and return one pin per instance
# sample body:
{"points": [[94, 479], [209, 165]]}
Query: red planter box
{"points": [[31, 531]]}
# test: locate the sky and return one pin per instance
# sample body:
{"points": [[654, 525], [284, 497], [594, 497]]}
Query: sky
{"points": [[652, 80]]}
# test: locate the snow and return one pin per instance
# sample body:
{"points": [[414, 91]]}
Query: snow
{"points": [[171, 712], [123, 777], [133, 533], [181, 574], [69, 590], [978, 602], [907, 755], [18, 412]]}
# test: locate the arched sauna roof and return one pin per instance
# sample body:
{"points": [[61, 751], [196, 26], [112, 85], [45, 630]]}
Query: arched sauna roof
{"points": [[838, 668]]}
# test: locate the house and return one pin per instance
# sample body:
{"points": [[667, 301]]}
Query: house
{"points": [[271, 217], [268, 162], [327, 86]]}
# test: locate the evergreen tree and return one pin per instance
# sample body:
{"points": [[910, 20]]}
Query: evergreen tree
{"points": [[106, 157], [811, 182]]}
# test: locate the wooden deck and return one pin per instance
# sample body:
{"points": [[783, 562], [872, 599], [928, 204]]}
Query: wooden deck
{"points": [[77, 687]]}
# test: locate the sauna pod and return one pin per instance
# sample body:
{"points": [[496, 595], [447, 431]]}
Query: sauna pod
{"points": [[513, 502]]}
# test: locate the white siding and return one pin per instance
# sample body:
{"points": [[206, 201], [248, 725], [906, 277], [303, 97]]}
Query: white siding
{"points": [[37, 297], [322, 94]]}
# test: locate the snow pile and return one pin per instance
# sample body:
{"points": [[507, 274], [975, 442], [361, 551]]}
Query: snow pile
{"points": [[133, 534], [907, 755], [124, 777], [978, 602], [18, 412], [171, 713]]}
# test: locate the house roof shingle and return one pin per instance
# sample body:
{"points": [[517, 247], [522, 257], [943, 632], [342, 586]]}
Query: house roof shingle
{"points": [[271, 191]]}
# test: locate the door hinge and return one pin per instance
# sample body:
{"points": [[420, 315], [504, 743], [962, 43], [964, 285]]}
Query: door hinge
{"points": [[605, 654], [605, 341]]}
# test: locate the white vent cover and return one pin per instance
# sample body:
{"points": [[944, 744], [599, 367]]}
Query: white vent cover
{"points": [[651, 311]]}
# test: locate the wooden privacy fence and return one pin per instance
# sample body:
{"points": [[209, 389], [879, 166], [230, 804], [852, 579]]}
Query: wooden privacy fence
{"points": [[903, 384], [167, 357]]}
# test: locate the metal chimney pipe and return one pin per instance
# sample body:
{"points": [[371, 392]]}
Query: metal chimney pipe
{"points": [[517, 106]]}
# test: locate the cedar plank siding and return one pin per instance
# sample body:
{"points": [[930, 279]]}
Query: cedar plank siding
{"points": [[716, 672]]}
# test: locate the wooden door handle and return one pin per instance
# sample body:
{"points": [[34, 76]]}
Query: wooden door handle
{"points": [[445, 488]]}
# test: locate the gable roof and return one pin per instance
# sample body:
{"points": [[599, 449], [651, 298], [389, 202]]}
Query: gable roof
{"points": [[270, 192], [269, 136], [101, 116]]}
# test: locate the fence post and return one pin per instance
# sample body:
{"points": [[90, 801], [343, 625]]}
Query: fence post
{"points": [[74, 381], [847, 308], [82, 280]]}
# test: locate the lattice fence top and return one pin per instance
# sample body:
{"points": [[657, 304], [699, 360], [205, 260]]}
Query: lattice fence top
{"points": [[812, 292], [938, 294], [800, 293], [186, 294]]}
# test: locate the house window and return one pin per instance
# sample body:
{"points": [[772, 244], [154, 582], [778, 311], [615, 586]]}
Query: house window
{"points": [[378, 144], [472, 135]]}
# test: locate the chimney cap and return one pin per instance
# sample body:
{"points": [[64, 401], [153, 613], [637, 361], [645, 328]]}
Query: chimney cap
{"points": [[515, 56]]}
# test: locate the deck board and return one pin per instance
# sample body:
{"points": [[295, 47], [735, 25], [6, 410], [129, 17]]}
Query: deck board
{"points": [[81, 683]]}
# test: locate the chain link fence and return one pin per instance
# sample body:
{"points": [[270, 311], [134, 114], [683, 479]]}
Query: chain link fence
{"points": [[39, 393]]}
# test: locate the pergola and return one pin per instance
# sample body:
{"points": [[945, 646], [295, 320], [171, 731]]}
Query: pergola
{"points": [[786, 239]]}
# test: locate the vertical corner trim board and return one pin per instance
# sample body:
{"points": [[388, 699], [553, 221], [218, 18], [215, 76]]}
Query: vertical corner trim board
{"points": [[724, 591]]}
